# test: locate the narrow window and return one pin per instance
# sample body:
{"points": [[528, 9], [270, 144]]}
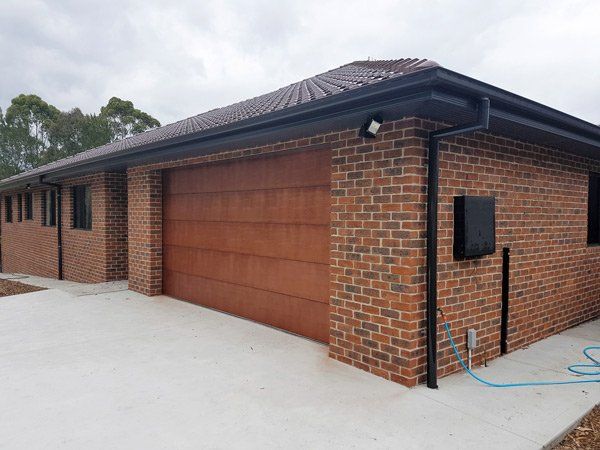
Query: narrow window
{"points": [[20, 207], [28, 206], [49, 208], [82, 207], [594, 209], [8, 207]]}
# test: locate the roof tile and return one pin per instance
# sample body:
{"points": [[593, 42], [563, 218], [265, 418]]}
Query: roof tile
{"points": [[345, 78]]}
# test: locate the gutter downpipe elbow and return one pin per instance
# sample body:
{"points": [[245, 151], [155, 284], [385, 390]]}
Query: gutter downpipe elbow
{"points": [[482, 123], [59, 249]]}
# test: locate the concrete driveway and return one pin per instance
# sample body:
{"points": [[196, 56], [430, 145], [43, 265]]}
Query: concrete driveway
{"points": [[120, 370]]}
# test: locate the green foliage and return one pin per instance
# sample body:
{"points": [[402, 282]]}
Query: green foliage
{"points": [[33, 132], [28, 119], [10, 148], [125, 120]]}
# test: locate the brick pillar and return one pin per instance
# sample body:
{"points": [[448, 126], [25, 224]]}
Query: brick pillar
{"points": [[378, 214], [145, 230]]}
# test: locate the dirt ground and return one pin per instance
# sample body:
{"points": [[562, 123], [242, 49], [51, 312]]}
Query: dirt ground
{"points": [[9, 287], [586, 435]]}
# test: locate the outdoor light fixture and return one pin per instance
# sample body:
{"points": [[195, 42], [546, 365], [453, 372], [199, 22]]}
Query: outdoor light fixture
{"points": [[371, 127]]}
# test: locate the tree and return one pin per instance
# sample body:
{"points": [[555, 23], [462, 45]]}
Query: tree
{"points": [[65, 135], [73, 132], [10, 150], [125, 120], [30, 119], [96, 131], [33, 132]]}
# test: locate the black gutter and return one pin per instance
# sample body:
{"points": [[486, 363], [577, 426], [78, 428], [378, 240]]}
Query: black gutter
{"points": [[517, 105], [433, 173], [317, 110], [59, 249], [170, 150], [507, 106]]}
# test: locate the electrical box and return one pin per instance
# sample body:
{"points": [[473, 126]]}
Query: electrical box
{"points": [[474, 226], [471, 338]]}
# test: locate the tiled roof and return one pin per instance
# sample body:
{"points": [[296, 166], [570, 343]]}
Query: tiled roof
{"points": [[345, 78]]}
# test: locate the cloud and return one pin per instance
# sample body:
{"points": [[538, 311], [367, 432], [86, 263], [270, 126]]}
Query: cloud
{"points": [[177, 59]]}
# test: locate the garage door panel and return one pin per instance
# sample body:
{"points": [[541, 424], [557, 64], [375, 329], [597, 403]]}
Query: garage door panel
{"points": [[295, 278], [275, 172], [297, 205], [252, 237], [288, 241], [294, 314]]}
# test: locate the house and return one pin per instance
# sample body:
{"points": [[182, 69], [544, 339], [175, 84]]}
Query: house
{"points": [[307, 209]]}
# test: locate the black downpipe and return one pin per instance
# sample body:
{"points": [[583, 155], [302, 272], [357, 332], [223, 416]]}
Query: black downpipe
{"points": [[59, 249], [505, 295], [483, 118]]}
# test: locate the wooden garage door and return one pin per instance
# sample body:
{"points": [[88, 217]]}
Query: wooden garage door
{"points": [[251, 237]]}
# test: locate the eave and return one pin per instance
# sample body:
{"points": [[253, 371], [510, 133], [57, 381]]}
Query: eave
{"points": [[435, 93]]}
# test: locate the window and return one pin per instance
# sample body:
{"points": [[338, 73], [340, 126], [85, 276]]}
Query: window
{"points": [[20, 207], [594, 209], [28, 206], [8, 208], [49, 208], [82, 207]]}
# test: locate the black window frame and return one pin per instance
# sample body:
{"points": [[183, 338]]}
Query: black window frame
{"points": [[49, 208], [28, 206], [19, 207], [82, 206], [8, 208], [594, 209]]}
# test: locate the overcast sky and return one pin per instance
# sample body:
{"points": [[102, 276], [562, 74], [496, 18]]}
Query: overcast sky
{"points": [[177, 58]]}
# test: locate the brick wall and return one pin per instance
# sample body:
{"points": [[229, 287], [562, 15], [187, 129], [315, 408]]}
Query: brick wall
{"points": [[145, 230], [95, 255], [541, 215], [378, 240], [27, 246], [115, 225], [378, 312]]}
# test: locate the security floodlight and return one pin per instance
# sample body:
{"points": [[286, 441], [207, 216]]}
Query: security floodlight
{"points": [[371, 127]]}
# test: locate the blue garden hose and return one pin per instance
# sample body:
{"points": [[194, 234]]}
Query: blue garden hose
{"points": [[579, 369]]}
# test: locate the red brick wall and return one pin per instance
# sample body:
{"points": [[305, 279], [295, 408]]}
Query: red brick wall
{"points": [[28, 247], [115, 226], [377, 203], [378, 243], [377, 237], [145, 230], [95, 255], [541, 215]]}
